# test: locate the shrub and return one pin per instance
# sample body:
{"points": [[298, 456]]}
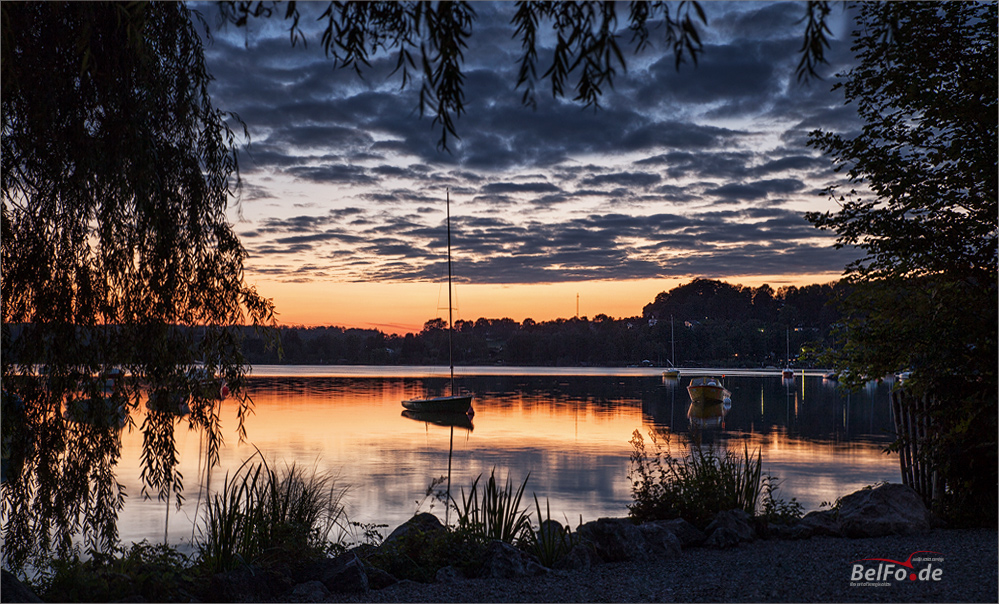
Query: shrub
{"points": [[776, 510], [157, 573], [694, 487]]}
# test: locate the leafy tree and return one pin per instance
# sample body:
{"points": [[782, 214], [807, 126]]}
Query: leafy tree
{"points": [[925, 212], [118, 261]]}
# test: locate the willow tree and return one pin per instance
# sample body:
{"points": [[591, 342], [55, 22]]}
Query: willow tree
{"points": [[925, 210], [118, 261]]}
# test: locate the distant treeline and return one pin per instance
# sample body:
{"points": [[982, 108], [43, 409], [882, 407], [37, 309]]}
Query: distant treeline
{"points": [[714, 323]]}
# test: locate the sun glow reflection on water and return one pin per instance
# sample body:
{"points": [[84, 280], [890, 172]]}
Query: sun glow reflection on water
{"points": [[570, 432]]}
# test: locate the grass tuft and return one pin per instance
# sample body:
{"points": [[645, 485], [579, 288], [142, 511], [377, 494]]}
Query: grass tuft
{"points": [[495, 513], [261, 514]]}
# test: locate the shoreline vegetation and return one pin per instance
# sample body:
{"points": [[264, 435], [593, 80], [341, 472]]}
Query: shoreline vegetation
{"points": [[281, 535], [708, 323]]}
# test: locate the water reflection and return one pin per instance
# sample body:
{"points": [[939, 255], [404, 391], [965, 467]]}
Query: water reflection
{"points": [[707, 415], [437, 418], [570, 432]]}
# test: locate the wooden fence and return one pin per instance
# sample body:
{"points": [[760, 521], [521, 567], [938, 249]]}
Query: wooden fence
{"points": [[914, 426]]}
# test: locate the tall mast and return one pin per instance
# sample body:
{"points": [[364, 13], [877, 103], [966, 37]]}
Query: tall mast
{"points": [[450, 306], [672, 343]]}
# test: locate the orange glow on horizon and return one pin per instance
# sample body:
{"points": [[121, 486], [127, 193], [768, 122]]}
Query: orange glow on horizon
{"points": [[400, 308]]}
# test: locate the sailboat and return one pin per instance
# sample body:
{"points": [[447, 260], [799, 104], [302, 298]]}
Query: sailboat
{"points": [[673, 372], [787, 373], [454, 403]]}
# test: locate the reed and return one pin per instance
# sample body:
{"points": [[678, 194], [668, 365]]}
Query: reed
{"points": [[551, 541], [261, 514], [493, 513]]}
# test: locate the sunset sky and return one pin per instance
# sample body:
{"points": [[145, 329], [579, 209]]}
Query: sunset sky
{"points": [[701, 172]]}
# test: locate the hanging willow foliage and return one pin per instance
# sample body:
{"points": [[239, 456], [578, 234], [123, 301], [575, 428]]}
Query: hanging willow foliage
{"points": [[118, 261]]}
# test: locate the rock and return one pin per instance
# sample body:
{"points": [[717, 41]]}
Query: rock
{"points": [[780, 531], [504, 561], [551, 531], [15, 591], [688, 534], [345, 574], [820, 523], [310, 591], [737, 521], [247, 585], [889, 509], [659, 540], [378, 578], [723, 537], [448, 574], [423, 523], [614, 539], [580, 557]]}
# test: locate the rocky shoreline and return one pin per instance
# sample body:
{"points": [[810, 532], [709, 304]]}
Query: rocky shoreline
{"points": [[736, 558], [811, 570], [878, 544]]}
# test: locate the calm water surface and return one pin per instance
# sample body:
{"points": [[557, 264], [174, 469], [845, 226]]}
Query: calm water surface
{"points": [[570, 429]]}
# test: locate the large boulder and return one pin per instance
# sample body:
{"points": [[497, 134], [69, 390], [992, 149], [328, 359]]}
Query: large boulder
{"points": [[580, 556], [420, 523], [614, 539], [735, 526], [818, 523], [888, 509], [688, 534], [504, 561], [344, 574], [660, 540], [378, 578], [15, 591], [309, 591]]}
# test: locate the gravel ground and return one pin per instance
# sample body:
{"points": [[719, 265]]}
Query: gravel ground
{"points": [[811, 570]]}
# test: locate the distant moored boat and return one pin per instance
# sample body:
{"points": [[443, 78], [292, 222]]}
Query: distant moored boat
{"points": [[708, 390]]}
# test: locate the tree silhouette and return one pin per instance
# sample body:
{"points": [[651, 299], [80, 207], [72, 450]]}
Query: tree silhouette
{"points": [[925, 212], [120, 270]]}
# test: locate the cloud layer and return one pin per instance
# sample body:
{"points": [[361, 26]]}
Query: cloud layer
{"points": [[701, 170]]}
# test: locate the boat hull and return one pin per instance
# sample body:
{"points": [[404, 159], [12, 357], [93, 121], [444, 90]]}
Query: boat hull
{"points": [[707, 391], [460, 403]]}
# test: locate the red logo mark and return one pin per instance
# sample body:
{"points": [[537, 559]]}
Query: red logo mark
{"points": [[907, 563]]}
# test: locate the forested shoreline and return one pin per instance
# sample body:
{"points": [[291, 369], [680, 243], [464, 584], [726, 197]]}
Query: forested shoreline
{"points": [[713, 323]]}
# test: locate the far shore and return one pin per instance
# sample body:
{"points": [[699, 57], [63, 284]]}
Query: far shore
{"points": [[500, 370]]}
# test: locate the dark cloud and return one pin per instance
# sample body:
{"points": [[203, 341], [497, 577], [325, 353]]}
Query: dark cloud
{"points": [[512, 187], [631, 179], [680, 172]]}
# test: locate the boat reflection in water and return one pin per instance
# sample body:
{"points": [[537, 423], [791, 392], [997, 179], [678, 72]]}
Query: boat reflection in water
{"points": [[708, 414], [439, 418], [451, 420]]}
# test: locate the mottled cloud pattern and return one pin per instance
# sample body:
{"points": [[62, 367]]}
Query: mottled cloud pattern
{"points": [[698, 171]]}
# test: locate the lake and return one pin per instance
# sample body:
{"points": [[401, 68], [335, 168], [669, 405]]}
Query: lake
{"points": [[568, 428]]}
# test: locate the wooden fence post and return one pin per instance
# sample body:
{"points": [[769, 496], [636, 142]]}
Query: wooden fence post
{"points": [[913, 425]]}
